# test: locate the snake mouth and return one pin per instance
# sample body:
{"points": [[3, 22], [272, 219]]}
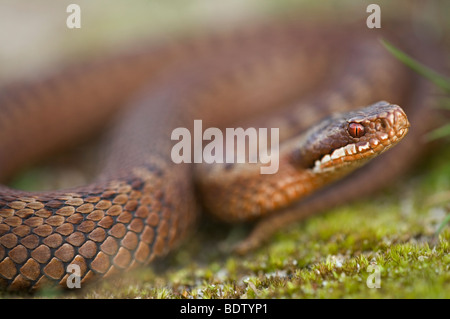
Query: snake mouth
{"points": [[355, 152]]}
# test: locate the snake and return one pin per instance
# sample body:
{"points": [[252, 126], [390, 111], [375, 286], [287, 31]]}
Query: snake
{"points": [[325, 87]]}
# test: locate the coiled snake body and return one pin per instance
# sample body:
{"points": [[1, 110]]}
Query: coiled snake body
{"points": [[142, 204]]}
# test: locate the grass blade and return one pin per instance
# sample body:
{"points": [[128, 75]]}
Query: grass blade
{"points": [[433, 76], [442, 131], [442, 225]]}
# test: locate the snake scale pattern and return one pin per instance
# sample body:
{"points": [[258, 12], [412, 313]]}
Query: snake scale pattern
{"points": [[141, 205]]}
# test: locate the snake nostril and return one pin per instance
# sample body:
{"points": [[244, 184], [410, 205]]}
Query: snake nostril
{"points": [[400, 118]]}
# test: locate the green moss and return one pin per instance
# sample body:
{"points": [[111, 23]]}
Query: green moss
{"points": [[326, 256]]}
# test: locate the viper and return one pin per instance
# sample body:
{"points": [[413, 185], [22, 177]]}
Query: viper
{"points": [[333, 92]]}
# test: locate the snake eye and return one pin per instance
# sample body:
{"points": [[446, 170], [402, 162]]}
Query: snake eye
{"points": [[356, 130]]}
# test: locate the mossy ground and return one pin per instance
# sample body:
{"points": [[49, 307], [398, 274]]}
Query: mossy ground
{"points": [[326, 256]]}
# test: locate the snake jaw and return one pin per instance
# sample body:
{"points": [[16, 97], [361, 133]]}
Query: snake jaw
{"points": [[341, 156]]}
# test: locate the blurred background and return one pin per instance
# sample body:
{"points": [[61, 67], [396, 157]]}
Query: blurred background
{"points": [[34, 38], [33, 34]]}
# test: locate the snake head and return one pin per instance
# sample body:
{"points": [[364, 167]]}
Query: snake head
{"points": [[348, 140]]}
